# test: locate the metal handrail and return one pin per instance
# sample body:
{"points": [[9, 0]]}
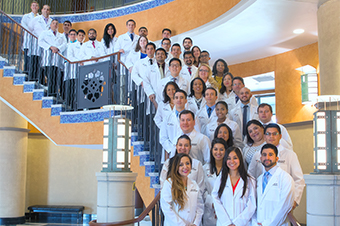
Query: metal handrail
{"points": [[152, 206], [292, 219]]}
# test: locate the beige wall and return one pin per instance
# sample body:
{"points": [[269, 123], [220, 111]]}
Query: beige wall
{"points": [[61, 175], [302, 137]]}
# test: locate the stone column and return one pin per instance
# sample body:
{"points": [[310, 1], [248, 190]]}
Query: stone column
{"points": [[13, 161]]}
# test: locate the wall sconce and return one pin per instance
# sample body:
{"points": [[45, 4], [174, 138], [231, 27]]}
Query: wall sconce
{"points": [[309, 84], [117, 140], [326, 134]]}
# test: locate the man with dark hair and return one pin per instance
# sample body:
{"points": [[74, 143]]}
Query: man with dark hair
{"points": [[166, 44], [127, 42], [176, 52], [92, 48], [189, 69], [200, 149], [155, 73], [237, 85], [265, 113], [67, 26], [205, 57], [288, 161], [52, 42], [175, 66], [166, 33], [245, 111], [25, 21], [143, 31], [207, 112], [170, 129], [275, 190], [187, 43]]}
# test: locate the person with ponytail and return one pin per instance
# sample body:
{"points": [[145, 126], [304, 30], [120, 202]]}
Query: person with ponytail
{"points": [[234, 193], [181, 199]]}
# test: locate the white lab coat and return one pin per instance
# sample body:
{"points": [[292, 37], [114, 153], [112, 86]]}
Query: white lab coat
{"points": [[72, 53], [111, 46], [185, 72], [48, 39], [232, 208], [152, 81], [88, 51], [209, 212], [289, 162], [132, 58], [276, 201], [196, 173], [229, 99], [181, 82], [203, 118], [193, 209], [237, 115], [286, 141], [200, 146], [124, 42], [25, 21], [37, 25], [163, 110], [192, 106], [211, 127]]}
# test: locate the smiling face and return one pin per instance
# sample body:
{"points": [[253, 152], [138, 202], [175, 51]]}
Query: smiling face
{"points": [[131, 26], [176, 51], [34, 7], [183, 146], [245, 95], [265, 115], [233, 162], [210, 97], [184, 168], [237, 86], [187, 123], [203, 73], [187, 44], [45, 11], [268, 158], [196, 51], [220, 67], [188, 59], [81, 37], [180, 100], [221, 111], [175, 68], [170, 91], [218, 151], [166, 45], [255, 132], [143, 42], [272, 136], [197, 86], [227, 81], [223, 133], [160, 56]]}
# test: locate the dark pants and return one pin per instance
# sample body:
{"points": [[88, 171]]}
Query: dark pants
{"points": [[34, 68], [70, 93], [26, 61], [54, 80]]}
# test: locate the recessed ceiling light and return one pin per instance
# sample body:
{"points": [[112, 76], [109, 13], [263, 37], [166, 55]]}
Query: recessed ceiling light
{"points": [[298, 31]]}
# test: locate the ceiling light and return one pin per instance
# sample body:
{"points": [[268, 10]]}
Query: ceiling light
{"points": [[298, 31]]}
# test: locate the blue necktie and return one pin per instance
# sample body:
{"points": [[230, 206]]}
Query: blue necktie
{"points": [[265, 180], [209, 112], [131, 36], [236, 98]]}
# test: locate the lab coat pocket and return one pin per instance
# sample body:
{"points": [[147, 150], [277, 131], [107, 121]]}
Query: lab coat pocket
{"points": [[273, 194]]}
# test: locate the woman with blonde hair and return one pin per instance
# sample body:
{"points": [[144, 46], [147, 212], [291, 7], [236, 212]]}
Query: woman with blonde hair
{"points": [[204, 72], [181, 199]]}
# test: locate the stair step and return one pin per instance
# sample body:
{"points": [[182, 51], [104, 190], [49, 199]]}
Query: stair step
{"points": [[8, 71], [19, 79], [157, 188], [144, 156], [29, 87], [154, 179], [47, 102], [56, 109], [138, 146], [84, 116], [149, 167], [3, 62], [38, 94]]}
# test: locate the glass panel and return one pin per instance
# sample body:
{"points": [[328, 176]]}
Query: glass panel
{"points": [[338, 140], [120, 156], [321, 124], [105, 165], [321, 140], [105, 143], [120, 143], [322, 156], [106, 129], [121, 130], [338, 122], [129, 156], [314, 158], [338, 159], [105, 156]]}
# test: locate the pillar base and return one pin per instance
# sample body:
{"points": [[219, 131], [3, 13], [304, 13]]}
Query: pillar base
{"points": [[323, 203], [115, 196], [12, 220]]}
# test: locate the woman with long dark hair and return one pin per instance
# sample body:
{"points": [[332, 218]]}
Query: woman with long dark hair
{"points": [[109, 38], [181, 199], [220, 68], [234, 193], [226, 91], [211, 171], [196, 97], [197, 53], [223, 131], [167, 105]]}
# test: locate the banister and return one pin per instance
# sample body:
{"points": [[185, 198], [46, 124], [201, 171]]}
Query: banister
{"points": [[71, 62], [292, 219], [131, 221]]}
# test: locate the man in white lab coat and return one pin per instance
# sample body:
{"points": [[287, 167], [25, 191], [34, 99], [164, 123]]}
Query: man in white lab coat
{"points": [[275, 191], [25, 21], [200, 144], [288, 161], [245, 111], [265, 112], [127, 42], [166, 44], [176, 53], [92, 48], [52, 43], [37, 26], [187, 44], [207, 112], [237, 85], [188, 70]]}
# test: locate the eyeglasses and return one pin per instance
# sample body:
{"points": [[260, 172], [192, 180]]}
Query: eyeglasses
{"points": [[174, 65], [272, 134], [202, 70]]}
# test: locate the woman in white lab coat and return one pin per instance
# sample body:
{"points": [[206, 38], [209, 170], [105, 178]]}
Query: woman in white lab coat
{"points": [[211, 172], [166, 106], [138, 53], [183, 145], [223, 131], [181, 199], [234, 193], [221, 110], [226, 93], [196, 98], [109, 40], [204, 72], [254, 140]]}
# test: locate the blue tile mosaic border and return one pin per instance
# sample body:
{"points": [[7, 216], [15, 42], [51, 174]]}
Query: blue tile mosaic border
{"points": [[9, 71], [144, 156], [29, 86], [19, 79], [38, 94], [47, 102], [104, 14], [56, 109]]}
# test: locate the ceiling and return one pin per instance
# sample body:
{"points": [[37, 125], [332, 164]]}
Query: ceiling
{"points": [[256, 29]]}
